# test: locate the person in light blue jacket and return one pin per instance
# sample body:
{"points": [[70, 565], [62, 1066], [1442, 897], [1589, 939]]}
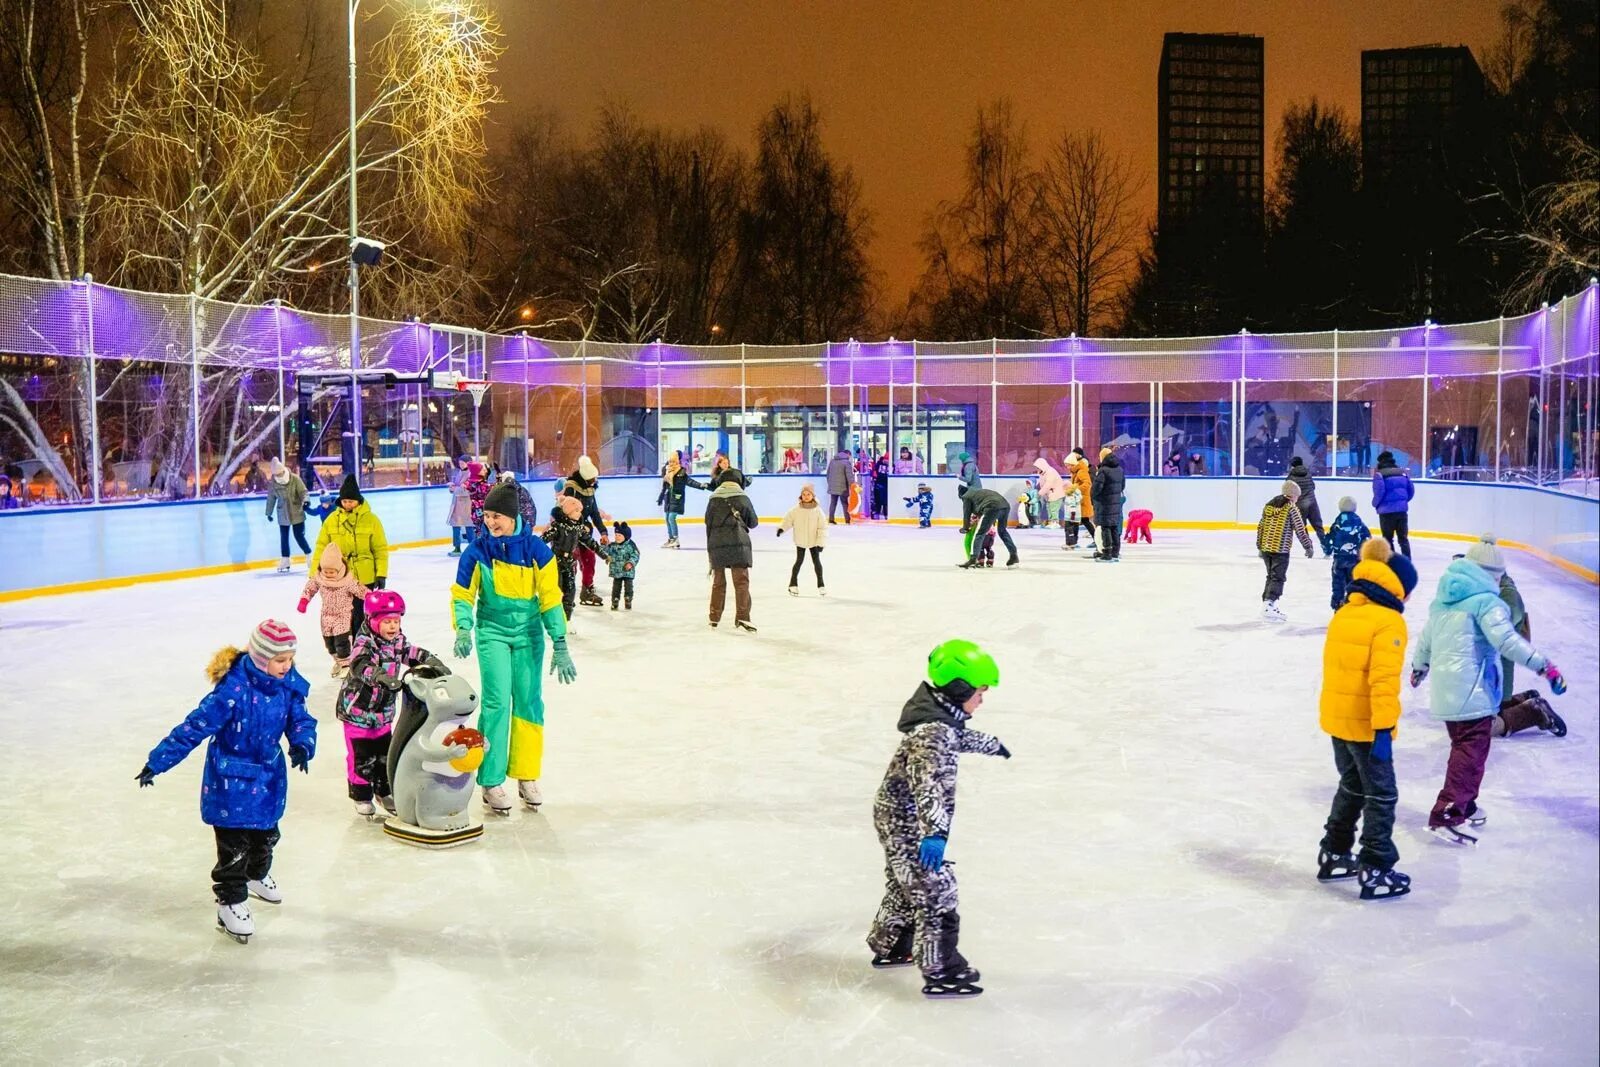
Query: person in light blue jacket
{"points": [[1469, 628]]}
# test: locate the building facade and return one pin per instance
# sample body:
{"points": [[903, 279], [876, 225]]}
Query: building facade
{"points": [[1413, 102], [1211, 136]]}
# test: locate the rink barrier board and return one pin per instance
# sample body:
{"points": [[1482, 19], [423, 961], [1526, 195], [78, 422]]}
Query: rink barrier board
{"points": [[80, 549]]}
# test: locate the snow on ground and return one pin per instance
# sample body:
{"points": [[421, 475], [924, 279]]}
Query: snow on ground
{"points": [[1137, 883]]}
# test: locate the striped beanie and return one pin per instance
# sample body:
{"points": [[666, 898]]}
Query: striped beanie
{"points": [[270, 638]]}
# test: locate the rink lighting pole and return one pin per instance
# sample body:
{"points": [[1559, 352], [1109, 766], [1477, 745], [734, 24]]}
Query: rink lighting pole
{"points": [[355, 270]]}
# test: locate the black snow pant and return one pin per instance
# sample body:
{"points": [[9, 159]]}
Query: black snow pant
{"points": [[1396, 526], [1111, 538], [338, 645], [1366, 792], [299, 529], [622, 588], [567, 578], [918, 910], [839, 500], [242, 855], [816, 565], [369, 758], [997, 519], [1277, 572], [1313, 516], [1341, 582], [358, 615]]}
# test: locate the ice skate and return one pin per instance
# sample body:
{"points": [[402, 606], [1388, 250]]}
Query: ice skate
{"points": [[264, 888], [528, 790], [627, 605], [1453, 835], [334, 671], [497, 800], [589, 598], [747, 627], [454, 552], [970, 564], [794, 590], [614, 605], [1478, 816], [1377, 884], [1272, 613], [387, 804], [893, 958], [364, 808], [283, 565], [1013, 561], [235, 921], [822, 590], [951, 985], [1332, 866]]}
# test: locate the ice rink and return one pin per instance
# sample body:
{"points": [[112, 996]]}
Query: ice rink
{"points": [[1137, 883]]}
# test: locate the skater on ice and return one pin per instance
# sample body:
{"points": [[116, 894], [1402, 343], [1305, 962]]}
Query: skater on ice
{"points": [[1362, 658], [507, 590], [923, 502], [918, 921], [1345, 538], [990, 511], [1109, 492], [1280, 524], [675, 486], [379, 656], [1469, 629], [623, 563], [567, 536], [841, 476], [582, 485], [810, 535], [358, 532], [1083, 482], [1300, 475], [1392, 493], [967, 481], [729, 519], [460, 518], [1052, 487], [286, 503], [257, 701], [340, 592]]}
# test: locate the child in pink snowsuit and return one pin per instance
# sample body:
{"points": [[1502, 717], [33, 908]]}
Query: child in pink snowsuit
{"points": [[339, 589]]}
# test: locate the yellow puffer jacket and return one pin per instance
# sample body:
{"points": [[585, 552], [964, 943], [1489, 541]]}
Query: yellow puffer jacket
{"points": [[360, 537], [1363, 657]]}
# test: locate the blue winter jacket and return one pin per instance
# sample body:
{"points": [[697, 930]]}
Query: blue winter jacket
{"points": [[1392, 490], [1469, 629], [1345, 538], [246, 781]]}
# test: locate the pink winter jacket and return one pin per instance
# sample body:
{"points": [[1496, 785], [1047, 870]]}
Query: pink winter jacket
{"points": [[338, 600], [1051, 487]]}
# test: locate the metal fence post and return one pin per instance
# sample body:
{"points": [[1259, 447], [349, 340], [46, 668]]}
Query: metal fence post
{"points": [[916, 430], [277, 330], [1499, 393], [827, 398], [1427, 347], [744, 456], [994, 405], [1544, 351], [583, 393], [194, 383], [94, 391], [1333, 446]]}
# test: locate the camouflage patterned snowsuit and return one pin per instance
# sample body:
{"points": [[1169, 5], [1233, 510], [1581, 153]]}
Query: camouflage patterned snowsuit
{"points": [[918, 799]]}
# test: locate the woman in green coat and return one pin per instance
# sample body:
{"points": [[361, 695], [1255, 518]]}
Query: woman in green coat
{"points": [[356, 529]]}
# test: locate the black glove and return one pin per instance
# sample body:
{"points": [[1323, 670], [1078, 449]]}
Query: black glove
{"points": [[780, 531], [1004, 753], [145, 777], [391, 682], [380, 582], [435, 663], [300, 759]]}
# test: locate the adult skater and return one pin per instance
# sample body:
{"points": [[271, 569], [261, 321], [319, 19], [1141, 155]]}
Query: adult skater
{"points": [[460, 505], [989, 508], [506, 589], [729, 520], [358, 532], [913, 812], [675, 486], [1084, 484], [1469, 628], [880, 487], [1051, 489], [967, 480], [286, 502], [1359, 708], [1108, 493], [1392, 492], [582, 484], [1300, 475], [841, 476]]}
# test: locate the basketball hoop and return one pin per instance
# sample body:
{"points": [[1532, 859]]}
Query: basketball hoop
{"points": [[476, 388]]}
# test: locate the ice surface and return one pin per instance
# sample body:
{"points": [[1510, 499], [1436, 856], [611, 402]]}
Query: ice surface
{"points": [[1137, 884]]}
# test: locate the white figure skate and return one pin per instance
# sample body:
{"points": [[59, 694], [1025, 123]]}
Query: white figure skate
{"points": [[235, 921]]}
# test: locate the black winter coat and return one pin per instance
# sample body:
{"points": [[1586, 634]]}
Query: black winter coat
{"points": [[729, 520], [672, 496], [983, 500], [1110, 484], [1300, 475]]}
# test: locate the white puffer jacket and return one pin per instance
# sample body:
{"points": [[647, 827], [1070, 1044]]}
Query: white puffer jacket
{"points": [[809, 525]]}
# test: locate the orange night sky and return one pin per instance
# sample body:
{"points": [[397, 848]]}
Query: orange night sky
{"points": [[898, 82]]}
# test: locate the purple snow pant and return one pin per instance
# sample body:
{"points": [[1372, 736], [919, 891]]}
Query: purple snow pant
{"points": [[1469, 752]]}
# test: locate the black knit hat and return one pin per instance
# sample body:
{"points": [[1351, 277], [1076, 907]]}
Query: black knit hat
{"points": [[622, 530], [350, 490], [1386, 459], [502, 500]]}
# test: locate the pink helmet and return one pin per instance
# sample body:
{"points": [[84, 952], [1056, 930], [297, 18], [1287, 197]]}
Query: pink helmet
{"points": [[382, 602]]}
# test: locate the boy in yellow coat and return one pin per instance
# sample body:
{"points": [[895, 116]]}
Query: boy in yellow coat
{"points": [[1362, 660]]}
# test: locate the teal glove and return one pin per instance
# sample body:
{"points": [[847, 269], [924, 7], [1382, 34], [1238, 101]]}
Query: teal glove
{"points": [[463, 647], [561, 662]]}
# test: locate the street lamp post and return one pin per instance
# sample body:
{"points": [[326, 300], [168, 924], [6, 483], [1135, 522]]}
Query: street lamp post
{"points": [[355, 270]]}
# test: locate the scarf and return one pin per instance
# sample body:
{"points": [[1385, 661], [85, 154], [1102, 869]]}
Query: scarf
{"points": [[1377, 594], [728, 488], [809, 503]]}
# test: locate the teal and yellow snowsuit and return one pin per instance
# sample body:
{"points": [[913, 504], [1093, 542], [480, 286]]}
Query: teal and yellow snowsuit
{"points": [[512, 581]]}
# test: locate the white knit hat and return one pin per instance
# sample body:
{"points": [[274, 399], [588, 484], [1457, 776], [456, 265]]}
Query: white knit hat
{"points": [[1487, 556]]}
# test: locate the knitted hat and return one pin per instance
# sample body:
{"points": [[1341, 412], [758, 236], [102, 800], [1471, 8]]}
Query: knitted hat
{"points": [[1296, 461], [269, 639], [508, 476], [280, 473], [1386, 459], [963, 457], [474, 469], [332, 557], [1487, 556], [502, 499], [1377, 550], [587, 468], [1291, 490], [623, 530], [350, 490], [1347, 503]]}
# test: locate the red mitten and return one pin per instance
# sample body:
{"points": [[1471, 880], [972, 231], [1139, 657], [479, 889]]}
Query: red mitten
{"points": [[302, 607]]}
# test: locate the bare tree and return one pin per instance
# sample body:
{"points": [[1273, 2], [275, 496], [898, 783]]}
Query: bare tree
{"points": [[1560, 234], [1086, 232]]}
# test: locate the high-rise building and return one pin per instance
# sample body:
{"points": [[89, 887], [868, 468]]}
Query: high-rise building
{"points": [[1414, 101], [1211, 136]]}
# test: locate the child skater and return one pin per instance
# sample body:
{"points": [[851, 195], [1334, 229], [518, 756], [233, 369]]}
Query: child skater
{"points": [[257, 700], [1280, 524], [623, 564], [810, 535], [378, 657], [1469, 628], [340, 590], [917, 920], [986, 554], [924, 502], [1345, 538], [1360, 708], [1071, 513], [567, 533], [506, 588]]}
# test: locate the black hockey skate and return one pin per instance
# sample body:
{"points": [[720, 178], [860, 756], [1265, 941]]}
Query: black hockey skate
{"points": [[589, 598], [951, 985], [1332, 866], [892, 958], [1377, 885]]}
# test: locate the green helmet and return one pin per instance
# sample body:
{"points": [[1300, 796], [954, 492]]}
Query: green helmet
{"points": [[964, 660]]}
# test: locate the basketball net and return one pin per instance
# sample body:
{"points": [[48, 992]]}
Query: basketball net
{"points": [[477, 389]]}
